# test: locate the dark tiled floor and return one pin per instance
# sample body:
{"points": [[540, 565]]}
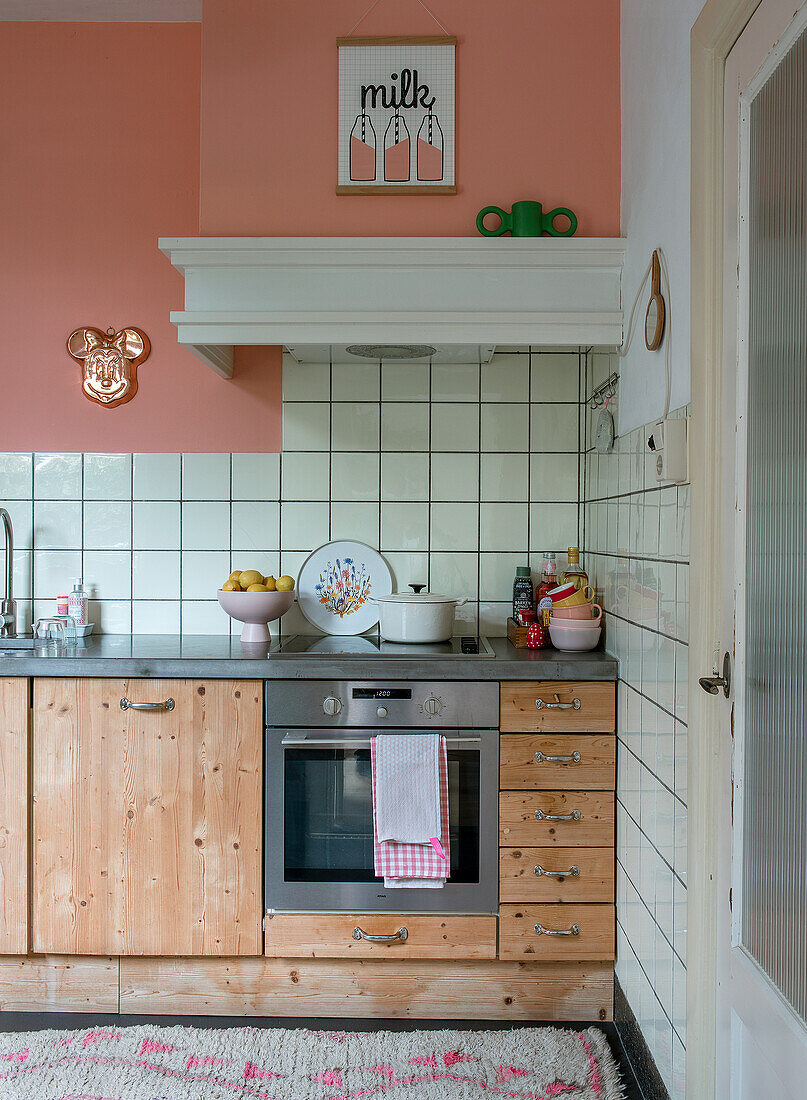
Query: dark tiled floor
{"points": [[34, 1021]]}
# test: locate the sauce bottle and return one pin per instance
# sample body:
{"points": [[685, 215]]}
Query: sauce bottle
{"points": [[549, 579], [522, 592]]}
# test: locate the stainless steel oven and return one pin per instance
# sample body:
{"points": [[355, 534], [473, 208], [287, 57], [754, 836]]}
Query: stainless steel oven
{"points": [[319, 818]]}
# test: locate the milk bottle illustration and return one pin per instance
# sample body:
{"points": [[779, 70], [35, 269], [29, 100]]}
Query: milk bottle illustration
{"points": [[430, 149], [396, 149], [362, 149]]}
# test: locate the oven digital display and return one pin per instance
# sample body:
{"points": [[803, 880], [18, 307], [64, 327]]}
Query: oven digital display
{"points": [[382, 693]]}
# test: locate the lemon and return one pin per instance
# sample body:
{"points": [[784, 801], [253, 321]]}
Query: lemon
{"points": [[235, 575], [257, 588], [285, 583], [231, 586], [270, 583], [250, 576]]}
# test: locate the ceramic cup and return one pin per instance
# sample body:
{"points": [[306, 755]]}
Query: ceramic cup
{"points": [[589, 613], [581, 596]]}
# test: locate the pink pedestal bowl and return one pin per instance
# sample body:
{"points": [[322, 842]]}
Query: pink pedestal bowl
{"points": [[255, 610]]}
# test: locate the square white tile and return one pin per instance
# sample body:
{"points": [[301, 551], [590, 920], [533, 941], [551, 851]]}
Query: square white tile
{"points": [[404, 426], [493, 618], [107, 477], [108, 574], [306, 426], [305, 381], [355, 520], [155, 575], [156, 525], [16, 476], [57, 476], [266, 562], [355, 476], [156, 476], [455, 477], [107, 524], [22, 521], [256, 476], [504, 527], [203, 573], [206, 525], [454, 574], [57, 524], [305, 476], [554, 428], [503, 477], [454, 527], [54, 573], [554, 477], [405, 381], [204, 617], [553, 526], [506, 378], [455, 382], [155, 617], [111, 616], [407, 568], [554, 376], [505, 427], [356, 427], [205, 477], [303, 526], [256, 525], [455, 427], [496, 575], [404, 526], [404, 477], [356, 381]]}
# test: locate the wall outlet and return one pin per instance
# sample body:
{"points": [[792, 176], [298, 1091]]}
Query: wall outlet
{"points": [[669, 442]]}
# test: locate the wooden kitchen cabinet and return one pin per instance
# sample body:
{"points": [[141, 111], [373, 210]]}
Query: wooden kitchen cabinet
{"points": [[15, 710], [428, 936], [147, 824], [558, 707]]}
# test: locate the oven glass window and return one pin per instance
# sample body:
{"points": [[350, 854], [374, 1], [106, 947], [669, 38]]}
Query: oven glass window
{"points": [[329, 815]]}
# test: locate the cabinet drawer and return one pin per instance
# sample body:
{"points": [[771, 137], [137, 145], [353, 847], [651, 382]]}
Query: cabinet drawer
{"points": [[589, 814], [587, 762], [536, 874], [587, 932], [558, 707], [334, 936]]}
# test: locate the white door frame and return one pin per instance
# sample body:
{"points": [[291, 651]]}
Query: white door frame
{"points": [[709, 749]]}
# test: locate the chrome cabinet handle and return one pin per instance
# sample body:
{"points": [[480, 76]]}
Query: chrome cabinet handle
{"points": [[541, 931], [541, 816], [541, 758], [573, 872], [541, 704], [360, 934], [127, 704]]}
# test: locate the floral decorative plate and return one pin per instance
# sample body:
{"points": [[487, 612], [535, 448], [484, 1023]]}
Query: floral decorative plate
{"points": [[335, 585]]}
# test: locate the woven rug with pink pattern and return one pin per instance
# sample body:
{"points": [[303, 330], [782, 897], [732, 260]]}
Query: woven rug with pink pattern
{"points": [[184, 1063]]}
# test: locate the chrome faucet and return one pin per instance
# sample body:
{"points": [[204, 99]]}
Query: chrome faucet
{"points": [[8, 608]]}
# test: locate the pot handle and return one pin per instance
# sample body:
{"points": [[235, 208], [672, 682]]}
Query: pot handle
{"points": [[464, 599]]}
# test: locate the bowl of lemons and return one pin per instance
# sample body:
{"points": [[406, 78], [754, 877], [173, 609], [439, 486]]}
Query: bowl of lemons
{"points": [[256, 601]]}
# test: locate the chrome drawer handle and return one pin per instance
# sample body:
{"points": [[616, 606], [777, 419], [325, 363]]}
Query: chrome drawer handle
{"points": [[127, 704], [541, 758], [573, 871], [541, 704], [541, 931], [360, 934], [541, 816]]}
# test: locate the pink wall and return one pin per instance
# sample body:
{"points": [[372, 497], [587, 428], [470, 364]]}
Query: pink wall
{"points": [[100, 137], [537, 114]]}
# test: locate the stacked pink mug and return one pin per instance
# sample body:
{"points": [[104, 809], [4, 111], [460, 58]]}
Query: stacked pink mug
{"points": [[575, 621]]}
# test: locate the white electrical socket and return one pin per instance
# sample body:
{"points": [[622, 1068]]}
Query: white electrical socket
{"points": [[669, 443]]}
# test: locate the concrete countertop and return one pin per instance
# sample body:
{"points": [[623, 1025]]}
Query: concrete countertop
{"points": [[216, 657]]}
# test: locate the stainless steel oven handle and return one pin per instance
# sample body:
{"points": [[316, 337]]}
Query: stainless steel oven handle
{"points": [[360, 742], [360, 934]]}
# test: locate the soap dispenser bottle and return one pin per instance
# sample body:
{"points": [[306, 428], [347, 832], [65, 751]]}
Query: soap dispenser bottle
{"points": [[77, 603]]}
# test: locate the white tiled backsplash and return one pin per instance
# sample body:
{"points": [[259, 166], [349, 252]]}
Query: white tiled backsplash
{"points": [[457, 473], [636, 547]]}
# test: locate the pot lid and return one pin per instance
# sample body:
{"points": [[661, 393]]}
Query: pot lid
{"points": [[417, 596]]}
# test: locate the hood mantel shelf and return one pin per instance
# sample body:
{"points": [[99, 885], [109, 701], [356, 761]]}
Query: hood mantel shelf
{"points": [[438, 290]]}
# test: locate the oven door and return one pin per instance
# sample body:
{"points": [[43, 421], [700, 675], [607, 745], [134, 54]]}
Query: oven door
{"points": [[319, 816]]}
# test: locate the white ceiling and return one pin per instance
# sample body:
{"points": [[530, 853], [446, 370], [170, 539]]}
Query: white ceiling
{"points": [[103, 11]]}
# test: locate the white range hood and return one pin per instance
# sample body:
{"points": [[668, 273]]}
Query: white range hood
{"points": [[317, 294]]}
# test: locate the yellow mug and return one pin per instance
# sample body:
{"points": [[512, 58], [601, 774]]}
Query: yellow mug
{"points": [[581, 596]]}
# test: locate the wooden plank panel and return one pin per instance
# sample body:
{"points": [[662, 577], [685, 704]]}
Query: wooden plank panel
{"points": [[50, 983], [368, 989], [595, 771], [518, 824], [147, 824], [519, 882], [14, 744], [595, 941], [330, 935], [597, 712]]}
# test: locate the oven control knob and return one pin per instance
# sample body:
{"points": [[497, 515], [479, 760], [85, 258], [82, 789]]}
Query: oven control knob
{"points": [[432, 706], [382, 712], [332, 705]]}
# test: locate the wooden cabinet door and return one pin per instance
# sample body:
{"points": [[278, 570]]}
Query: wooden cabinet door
{"points": [[14, 719], [147, 824]]}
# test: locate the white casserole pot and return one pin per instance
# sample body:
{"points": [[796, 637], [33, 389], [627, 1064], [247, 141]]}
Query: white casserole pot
{"points": [[416, 617]]}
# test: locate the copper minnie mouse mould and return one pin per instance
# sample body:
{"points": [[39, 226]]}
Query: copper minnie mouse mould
{"points": [[109, 362]]}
